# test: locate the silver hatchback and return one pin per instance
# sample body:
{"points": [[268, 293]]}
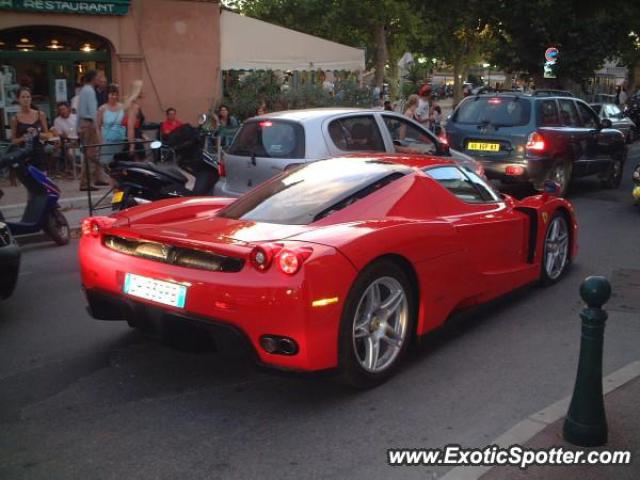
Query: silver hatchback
{"points": [[269, 144]]}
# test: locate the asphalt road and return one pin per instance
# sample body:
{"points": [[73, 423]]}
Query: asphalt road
{"points": [[82, 399]]}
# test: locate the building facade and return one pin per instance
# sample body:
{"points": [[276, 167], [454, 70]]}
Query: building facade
{"points": [[173, 46]]}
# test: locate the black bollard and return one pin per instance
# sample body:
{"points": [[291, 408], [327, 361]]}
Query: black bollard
{"points": [[586, 423]]}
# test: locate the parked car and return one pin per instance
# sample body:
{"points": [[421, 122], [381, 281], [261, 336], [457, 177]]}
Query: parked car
{"points": [[335, 264], [9, 261], [534, 137], [611, 111], [266, 145]]}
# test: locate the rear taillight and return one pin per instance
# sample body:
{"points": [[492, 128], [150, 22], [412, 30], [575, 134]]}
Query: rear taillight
{"points": [[93, 225], [221, 170], [536, 143], [288, 260]]}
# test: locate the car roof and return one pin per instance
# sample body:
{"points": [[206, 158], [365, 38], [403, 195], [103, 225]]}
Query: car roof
{"points": [[314, 113], [409, 160], [543, 94]]}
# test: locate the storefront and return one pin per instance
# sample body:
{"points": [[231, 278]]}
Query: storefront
{"points": [[172, 45]]}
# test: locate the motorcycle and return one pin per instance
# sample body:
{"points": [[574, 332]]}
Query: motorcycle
{"points": [[636, 182], [42, 212], [187, 149]]}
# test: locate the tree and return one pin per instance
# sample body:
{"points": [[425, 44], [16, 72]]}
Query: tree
{"points": [[584, 33], [457, 31]]}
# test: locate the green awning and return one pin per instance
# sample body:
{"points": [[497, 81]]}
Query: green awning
{"points": [[87, 7]]}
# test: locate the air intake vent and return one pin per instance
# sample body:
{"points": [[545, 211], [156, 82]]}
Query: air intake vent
{"points": [[183, 257]]}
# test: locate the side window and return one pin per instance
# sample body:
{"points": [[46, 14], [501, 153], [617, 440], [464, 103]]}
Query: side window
{"points": [[568, 113], [356, 134], [407, 138], [548, 114], [460, 185], [269, 138], [589, 119]]}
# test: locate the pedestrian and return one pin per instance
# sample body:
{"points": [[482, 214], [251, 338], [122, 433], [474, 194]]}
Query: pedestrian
{"points": [[437, 116], [88, 133], [102, 94], [169, 124], [387, 106], [110, 126], [424, 113], [411, 106], [261, 110], [65, 126], [227, 125], [228, 120], [621, 95], [134, 119], [29, 122]]}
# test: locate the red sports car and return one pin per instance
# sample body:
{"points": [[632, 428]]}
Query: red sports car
{"points": [[336, 264]]}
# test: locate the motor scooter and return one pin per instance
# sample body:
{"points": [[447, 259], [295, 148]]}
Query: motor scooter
{"points": [[186, 150], [42, 212]]}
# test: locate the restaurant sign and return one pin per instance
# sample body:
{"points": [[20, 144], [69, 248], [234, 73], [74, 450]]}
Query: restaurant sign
{"points": [[90, 7]]}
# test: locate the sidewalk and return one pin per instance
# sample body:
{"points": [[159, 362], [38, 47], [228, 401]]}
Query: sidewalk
{"points": [[14, 199], [622, 409]]}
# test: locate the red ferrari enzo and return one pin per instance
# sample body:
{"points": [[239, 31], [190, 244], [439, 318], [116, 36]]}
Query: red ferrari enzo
{"points": [[336, 264]]}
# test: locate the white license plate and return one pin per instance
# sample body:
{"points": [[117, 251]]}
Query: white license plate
{"points": [[158, 291]]}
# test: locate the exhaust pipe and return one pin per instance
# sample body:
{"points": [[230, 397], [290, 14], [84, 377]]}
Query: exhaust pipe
{"points": [[278, 345]]}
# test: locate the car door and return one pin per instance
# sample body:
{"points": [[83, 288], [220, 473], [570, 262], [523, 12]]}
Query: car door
{"points": [[353, 133], [599, 141], [578, 136], [495, 234]]}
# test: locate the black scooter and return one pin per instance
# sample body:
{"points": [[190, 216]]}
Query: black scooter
{"points": [[186, 148], [42, 212]]}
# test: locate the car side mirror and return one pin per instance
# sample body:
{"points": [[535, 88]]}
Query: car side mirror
{"points": [[549, 187], [605, 123]]}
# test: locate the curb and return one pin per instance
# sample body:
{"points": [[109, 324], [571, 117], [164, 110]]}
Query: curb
{"points": [[523, 431]]}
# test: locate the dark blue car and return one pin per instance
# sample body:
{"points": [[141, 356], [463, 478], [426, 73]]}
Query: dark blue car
{"points": [[534, 137]]}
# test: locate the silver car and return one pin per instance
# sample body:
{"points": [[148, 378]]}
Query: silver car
{"points": [[269, 144], [612, 112]]}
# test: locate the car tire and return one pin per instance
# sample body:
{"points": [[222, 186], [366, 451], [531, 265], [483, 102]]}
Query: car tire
{"points": [[556, 249], [560, 173], [57, 227], [613, 176], [373, 341]]}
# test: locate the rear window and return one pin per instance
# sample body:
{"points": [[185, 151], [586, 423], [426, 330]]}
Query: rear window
{"points": [[497, 111], [548, 115], [313, 191], [269, 138]]}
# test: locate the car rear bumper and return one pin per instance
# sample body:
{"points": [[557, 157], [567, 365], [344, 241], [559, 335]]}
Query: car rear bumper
{"points": [[252, 303], [9, 269], [531, 170]]}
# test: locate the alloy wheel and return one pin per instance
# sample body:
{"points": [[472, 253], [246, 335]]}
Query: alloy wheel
{"points": [[380, 326], [556, 247]]}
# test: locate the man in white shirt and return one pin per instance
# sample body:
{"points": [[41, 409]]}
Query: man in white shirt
{"points": [[65, 126]]}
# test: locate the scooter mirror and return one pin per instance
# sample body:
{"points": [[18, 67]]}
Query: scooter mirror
{"points": [[156, 145]]}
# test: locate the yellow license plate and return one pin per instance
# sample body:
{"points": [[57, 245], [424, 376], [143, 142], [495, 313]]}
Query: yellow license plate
{"points": [[484, 147], [117, 197]]}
